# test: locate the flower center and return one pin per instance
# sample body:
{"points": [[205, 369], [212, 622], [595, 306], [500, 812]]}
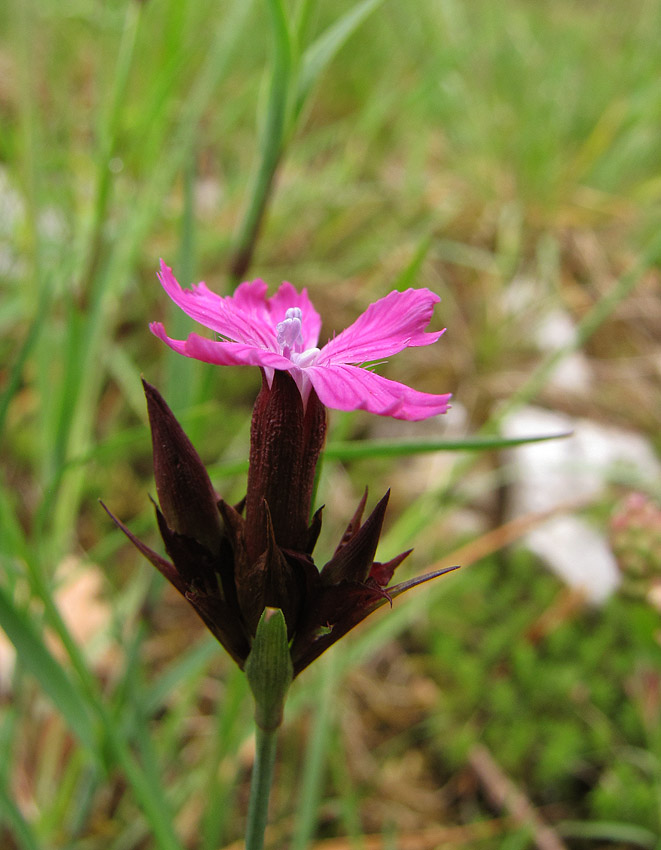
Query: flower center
{"points": [[290, 338]]}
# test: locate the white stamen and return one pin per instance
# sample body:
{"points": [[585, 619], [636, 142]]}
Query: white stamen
{"points": [[306, 358]]}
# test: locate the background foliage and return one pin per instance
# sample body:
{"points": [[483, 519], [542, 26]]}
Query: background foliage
{"points": [[460, 146]]}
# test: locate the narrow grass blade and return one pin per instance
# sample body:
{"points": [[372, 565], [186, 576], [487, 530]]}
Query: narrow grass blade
{"points": [[16, 370], [272, 141], [401, 448], [51, 676], [20, 829], [625, 833], [311, 782], [179, 386], [360, 449], [188, 665], [409, 275], [320, 53], [590, 323], [81, 708], [233, 725], [108, 140]]}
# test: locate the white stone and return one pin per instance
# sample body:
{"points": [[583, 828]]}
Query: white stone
{"points": [[550, 474], [578, 554]]}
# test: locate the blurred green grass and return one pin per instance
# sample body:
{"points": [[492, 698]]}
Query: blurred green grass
{"points": [[458, 146]]}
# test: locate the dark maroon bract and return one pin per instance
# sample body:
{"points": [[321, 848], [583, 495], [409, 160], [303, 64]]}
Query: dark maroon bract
{"points": [[231, 562]]}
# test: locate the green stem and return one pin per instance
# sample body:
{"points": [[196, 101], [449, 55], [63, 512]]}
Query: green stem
{"points": [[272, 143], [269, 672], [260, 787]]}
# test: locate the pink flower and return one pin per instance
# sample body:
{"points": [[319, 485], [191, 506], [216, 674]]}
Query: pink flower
{"points": [[282, 332]]}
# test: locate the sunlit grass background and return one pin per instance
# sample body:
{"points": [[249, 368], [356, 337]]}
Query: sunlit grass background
{"points": [[456, 145]]}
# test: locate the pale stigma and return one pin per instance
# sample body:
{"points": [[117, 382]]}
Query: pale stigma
{"points": [[289, 333]]}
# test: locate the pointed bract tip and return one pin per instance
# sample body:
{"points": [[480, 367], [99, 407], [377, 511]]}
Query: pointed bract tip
{"points": [[185, 493]]}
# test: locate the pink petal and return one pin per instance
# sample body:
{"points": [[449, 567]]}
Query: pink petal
{"points": [[242, 318], [345, 387], [386, 327], [287, 297], [223, 353], [250, 300]]}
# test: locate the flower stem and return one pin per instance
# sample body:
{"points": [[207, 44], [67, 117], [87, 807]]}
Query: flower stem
{"points": [[269, 671], [272, 143], [260, 787]]}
